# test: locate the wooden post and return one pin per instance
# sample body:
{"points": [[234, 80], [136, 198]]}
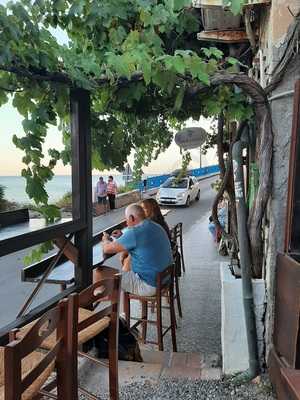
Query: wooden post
{"points": [[291, 243], [82, 183]]}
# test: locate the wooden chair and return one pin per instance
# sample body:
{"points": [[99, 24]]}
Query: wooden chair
{"points": [[25, 368], [91, 323], [165, 287], [176, 237]]}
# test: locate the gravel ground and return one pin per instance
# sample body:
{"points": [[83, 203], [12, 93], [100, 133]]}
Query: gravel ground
{"points": [[171, 389]]}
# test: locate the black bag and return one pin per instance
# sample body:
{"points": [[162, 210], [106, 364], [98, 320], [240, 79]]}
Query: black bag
{"points": [[129, 349]]}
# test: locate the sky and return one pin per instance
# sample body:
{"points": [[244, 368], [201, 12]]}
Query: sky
{"points": [[11, 157]]}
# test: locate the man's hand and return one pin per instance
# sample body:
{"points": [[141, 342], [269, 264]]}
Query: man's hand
{"points": [[105, 237], [111, 247]]}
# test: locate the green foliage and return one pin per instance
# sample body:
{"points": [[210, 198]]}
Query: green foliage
{"points": [[216, 185], [235, 5], [126, 188], [37, 254], [65, 201], [2, 198], [186, 159], [138, 58]]}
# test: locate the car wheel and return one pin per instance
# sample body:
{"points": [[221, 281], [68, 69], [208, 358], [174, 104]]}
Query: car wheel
{"points": [[188, 201], [198, 196]]}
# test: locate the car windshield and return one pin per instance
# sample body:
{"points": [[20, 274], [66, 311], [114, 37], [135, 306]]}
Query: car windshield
{"points": [[175, 183]]}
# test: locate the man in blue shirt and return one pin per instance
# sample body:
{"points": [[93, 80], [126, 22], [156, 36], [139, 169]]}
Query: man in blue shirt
{"points": [[148, 247]]}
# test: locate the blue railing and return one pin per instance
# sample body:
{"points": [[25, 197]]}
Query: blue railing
{"points": [[156, 181]]}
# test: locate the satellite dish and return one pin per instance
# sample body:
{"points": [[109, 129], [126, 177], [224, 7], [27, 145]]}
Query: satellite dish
{"points": [[190, 138]]}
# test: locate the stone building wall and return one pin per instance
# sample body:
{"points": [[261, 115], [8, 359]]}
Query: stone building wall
{"points": [[274, 28]]}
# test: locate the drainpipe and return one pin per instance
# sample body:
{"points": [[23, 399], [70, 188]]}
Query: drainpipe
{"points": [[245, 259]]}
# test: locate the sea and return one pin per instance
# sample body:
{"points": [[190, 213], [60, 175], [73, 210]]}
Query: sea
{"points": [[56, 188]]}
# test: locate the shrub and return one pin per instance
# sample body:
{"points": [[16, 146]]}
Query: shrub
{"points": [[65, 201], [2, 199], [126, 188]]}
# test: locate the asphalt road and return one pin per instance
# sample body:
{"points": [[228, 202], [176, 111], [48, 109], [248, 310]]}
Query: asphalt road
{"points": [[13, 292]]}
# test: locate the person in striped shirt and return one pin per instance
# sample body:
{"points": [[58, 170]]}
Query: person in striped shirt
{"points": [[111, 192]]}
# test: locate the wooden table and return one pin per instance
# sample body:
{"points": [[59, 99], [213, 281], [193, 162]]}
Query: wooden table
{"points": [[64, 274]]}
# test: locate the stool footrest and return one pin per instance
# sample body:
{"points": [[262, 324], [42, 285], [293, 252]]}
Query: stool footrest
{"points": [[166, 331]]}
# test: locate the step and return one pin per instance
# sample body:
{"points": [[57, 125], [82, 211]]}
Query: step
{"points": [[155, 365], [184, 365]]}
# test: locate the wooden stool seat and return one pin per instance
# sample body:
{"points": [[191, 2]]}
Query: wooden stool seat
{"points": [[83, 336], [92, 330], [147, 298], [28, 364]]}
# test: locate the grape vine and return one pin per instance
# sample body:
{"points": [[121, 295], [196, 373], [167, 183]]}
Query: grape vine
{"points": [[140, 59]]}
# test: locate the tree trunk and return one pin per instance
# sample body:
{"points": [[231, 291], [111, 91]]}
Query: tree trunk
{"points": [[264, 144]]}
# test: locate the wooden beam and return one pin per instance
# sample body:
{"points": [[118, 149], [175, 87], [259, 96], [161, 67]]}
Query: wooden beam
{"points": [[82, 183], [26, 240], [223, 36]]}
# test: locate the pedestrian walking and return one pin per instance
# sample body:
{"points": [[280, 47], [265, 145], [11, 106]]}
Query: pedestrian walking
{"points": [[101, 194], [111, 192]]}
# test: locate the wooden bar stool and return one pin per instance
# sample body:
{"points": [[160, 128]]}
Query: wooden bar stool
{"points": [[177, 273], [165, 287], [24, 368], [176, 237]]}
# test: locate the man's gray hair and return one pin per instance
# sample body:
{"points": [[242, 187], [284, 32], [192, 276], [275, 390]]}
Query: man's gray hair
{"points": [[136, 211]]}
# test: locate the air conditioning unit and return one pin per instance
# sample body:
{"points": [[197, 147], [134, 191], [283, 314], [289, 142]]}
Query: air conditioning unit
{"points": [[221, 3]]}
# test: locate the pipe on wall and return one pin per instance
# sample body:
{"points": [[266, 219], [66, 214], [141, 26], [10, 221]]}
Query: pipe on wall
{"points": [[245, 258]]}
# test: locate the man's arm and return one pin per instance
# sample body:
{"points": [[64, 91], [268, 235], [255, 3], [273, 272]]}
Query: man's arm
{"points": [[111, 247]]}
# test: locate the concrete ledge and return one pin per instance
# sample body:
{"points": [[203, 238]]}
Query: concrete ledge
{"points": [[233, 331]]}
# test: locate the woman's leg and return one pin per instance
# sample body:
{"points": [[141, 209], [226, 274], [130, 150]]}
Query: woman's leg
{"points": [[113, 201], [110, 200]]}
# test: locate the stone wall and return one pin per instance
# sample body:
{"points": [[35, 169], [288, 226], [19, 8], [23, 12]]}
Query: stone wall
{"points": [[273, 42], [282, 115]]}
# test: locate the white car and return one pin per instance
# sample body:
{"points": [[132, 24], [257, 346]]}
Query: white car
{"points": [[179, 192]]}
